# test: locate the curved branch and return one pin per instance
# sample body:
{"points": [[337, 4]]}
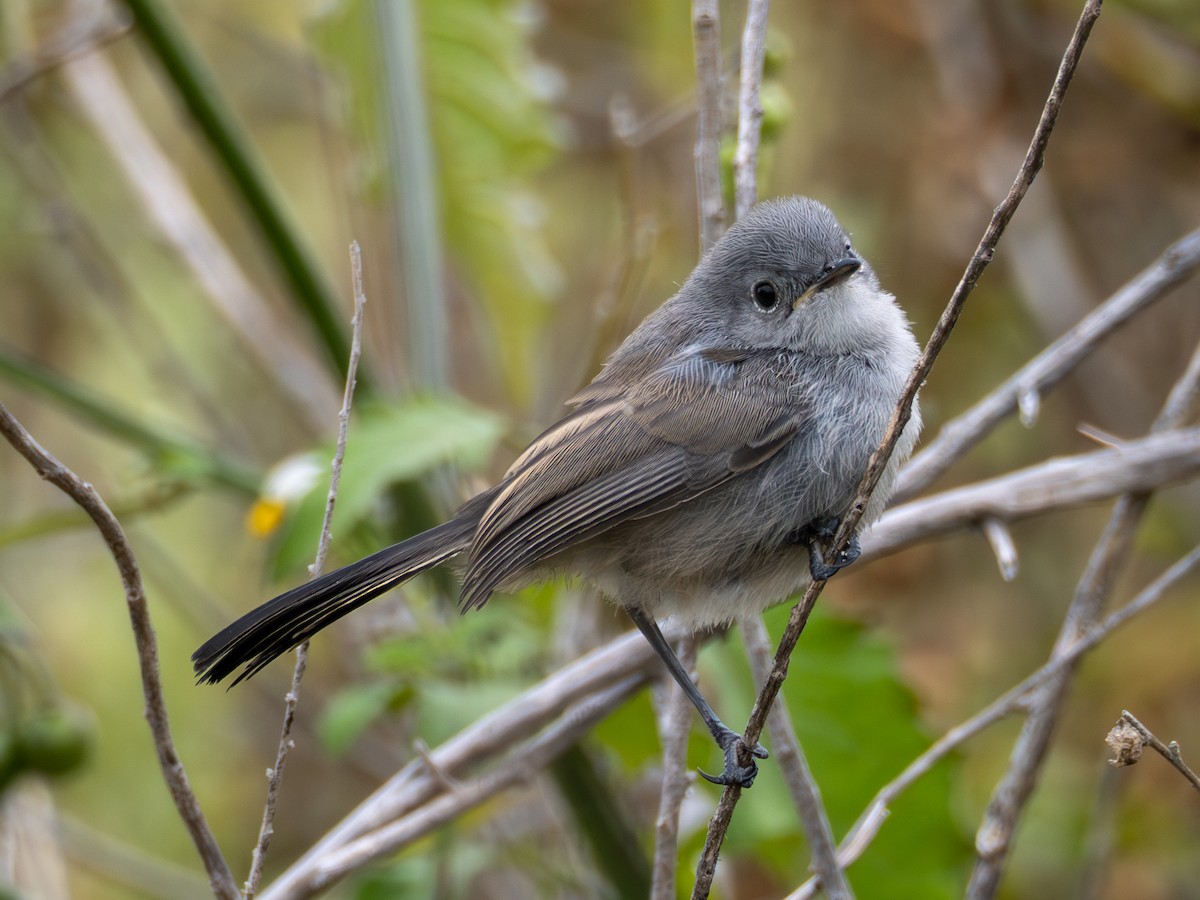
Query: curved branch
{"points": [[86, 496]]}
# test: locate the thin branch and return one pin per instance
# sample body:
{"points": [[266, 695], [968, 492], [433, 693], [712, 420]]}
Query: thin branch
{"points": [[292, 697], [1009, 798], [1166, 456], [1133, 467], [556, 697], [1004, 548], [1176, 264], [219, 876], [706, 31], [674, 725], [521, 766], [750, 111], [1032, 164], [789, 757], [1129, 735], [1016, 699]]}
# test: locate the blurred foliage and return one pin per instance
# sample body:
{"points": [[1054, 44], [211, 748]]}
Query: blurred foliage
{"points": [[41, 733], [556, 238], [391, 443]]}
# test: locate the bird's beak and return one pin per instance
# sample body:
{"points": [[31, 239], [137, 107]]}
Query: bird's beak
{"points": [[840, 270]]}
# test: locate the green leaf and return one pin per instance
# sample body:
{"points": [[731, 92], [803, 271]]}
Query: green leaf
{"points": [[389, 444], [353, 710], [859, 726]]}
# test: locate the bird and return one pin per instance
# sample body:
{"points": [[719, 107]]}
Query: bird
{"points": [[699, 476]]}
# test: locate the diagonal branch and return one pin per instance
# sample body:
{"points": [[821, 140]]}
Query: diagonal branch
{"points": [[1034, 159], [219, 876], [994, 837], [1176, 264], [1014, 700]]}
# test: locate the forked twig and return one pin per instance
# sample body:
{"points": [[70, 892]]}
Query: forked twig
{"points": [[1032, 164]]}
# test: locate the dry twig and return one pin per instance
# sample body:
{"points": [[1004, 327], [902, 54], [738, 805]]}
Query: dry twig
{"points": [[1003, 213], [750, 111], [1176, 264], [1129, 735], [674, 724], [864, 830], [1012, 793], [292, 697], [789, 757], [706, 30], [86, 496]]}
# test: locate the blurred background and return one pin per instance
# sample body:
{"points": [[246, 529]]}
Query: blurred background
{"points": [[520, 178]]}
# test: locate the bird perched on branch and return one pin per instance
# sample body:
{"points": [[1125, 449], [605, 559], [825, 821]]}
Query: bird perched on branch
{"points": [[700, 475]]}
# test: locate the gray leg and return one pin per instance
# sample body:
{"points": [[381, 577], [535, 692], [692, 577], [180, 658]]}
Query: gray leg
{"points": [[727, 739]]}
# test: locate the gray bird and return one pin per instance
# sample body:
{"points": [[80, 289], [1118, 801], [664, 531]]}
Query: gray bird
{"points": [[698, 476]]}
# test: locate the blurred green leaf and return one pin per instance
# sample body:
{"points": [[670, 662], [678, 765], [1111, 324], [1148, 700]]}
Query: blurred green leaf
{"points": [[388, 444], [354, 709], [859, 725], [631, 734], [493, 130]]}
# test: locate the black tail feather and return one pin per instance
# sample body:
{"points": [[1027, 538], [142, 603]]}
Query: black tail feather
{"points": [[293, 617]]}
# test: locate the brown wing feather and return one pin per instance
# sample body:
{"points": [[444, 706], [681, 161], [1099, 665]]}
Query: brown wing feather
{"points": [[684, 429]]}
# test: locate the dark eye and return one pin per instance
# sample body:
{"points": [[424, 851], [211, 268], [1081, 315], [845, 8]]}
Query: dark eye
{"points": [[764, 295]]}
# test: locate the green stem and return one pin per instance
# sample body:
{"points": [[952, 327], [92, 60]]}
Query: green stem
{"points": [[602, 824], [103, 414], [196, 88]]}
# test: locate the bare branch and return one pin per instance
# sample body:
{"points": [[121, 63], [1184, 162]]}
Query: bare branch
{"points": [[789, 757], [1127, 738], [1000, 539], [219, 876], [1014, 700], [674, 724], [1177, 263], [520, 767], [292, 697], [1135, 466], [556, 697], [1010, 796], [706, 30], [1003, 213], [750, 111]]}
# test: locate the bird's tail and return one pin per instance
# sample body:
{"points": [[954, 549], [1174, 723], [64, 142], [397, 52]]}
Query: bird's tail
{"points": [[291, 618]]}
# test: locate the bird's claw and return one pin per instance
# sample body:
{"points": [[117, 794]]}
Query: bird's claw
{"points": [[819, 533], [735, 773], [822, 570]]}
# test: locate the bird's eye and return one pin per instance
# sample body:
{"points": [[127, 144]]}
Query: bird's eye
{"points": [[764, 295]]}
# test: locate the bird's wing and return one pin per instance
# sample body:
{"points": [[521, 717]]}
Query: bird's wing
{"points": [[701, 418]]}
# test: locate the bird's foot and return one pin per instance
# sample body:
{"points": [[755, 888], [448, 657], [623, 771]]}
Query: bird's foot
{"points": [[817, 535], [822, 569], [730, 743]]}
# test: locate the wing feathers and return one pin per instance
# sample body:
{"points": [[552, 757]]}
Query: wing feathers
{"points": [[701, 418]]}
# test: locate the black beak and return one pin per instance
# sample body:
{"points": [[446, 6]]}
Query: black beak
{"points": [[835, 272]]}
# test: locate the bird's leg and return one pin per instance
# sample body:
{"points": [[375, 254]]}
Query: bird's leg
{"points": [[817, 534], [727, 739]]}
